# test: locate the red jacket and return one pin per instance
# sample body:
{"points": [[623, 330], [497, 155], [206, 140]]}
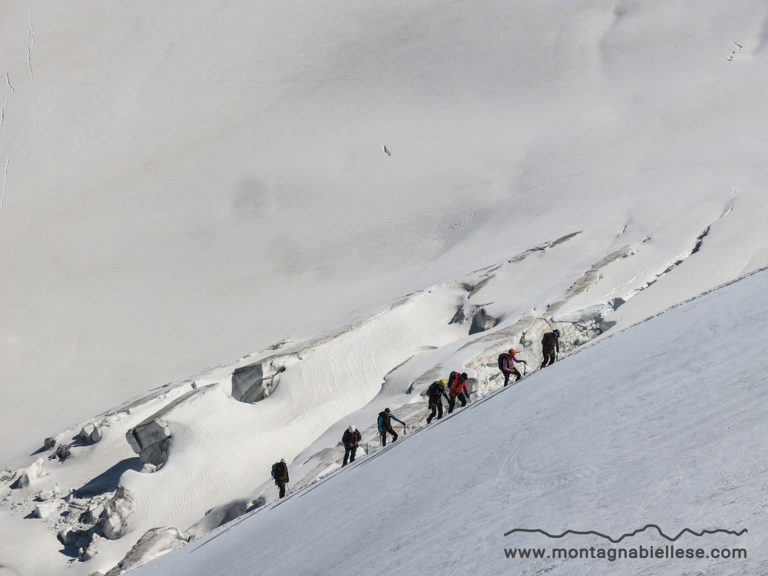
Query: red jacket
{"points": [[459, 385]]}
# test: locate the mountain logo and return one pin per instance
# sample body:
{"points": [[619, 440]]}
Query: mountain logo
{"points": [[628, 535]]}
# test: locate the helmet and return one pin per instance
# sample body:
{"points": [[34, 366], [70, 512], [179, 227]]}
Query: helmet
{"points": [[556, 332], [351, 428], [282, 460], [386, 409], [464, 375], [443, 382], [511, 351]]}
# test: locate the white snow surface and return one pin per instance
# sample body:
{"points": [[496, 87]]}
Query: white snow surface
{"points": [[662, 424], [187, 183], [335, 190]]}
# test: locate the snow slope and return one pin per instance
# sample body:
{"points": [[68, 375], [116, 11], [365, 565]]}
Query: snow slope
{"points": [[194, 192], [165, 168], [662, 424]]}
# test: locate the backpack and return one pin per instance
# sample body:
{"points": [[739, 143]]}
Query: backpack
{"points": [[434, 390], [279, 470], [452, 379], [502, 360]]}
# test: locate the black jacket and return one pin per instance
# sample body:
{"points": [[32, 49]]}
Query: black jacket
{"points": [[435, 391], [280, 471], [351, 438]]}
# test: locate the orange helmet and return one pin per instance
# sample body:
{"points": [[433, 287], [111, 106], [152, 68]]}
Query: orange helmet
{"points": [[512, 351]]}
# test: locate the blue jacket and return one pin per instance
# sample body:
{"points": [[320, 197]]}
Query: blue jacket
{"points": [[384, 423]]}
